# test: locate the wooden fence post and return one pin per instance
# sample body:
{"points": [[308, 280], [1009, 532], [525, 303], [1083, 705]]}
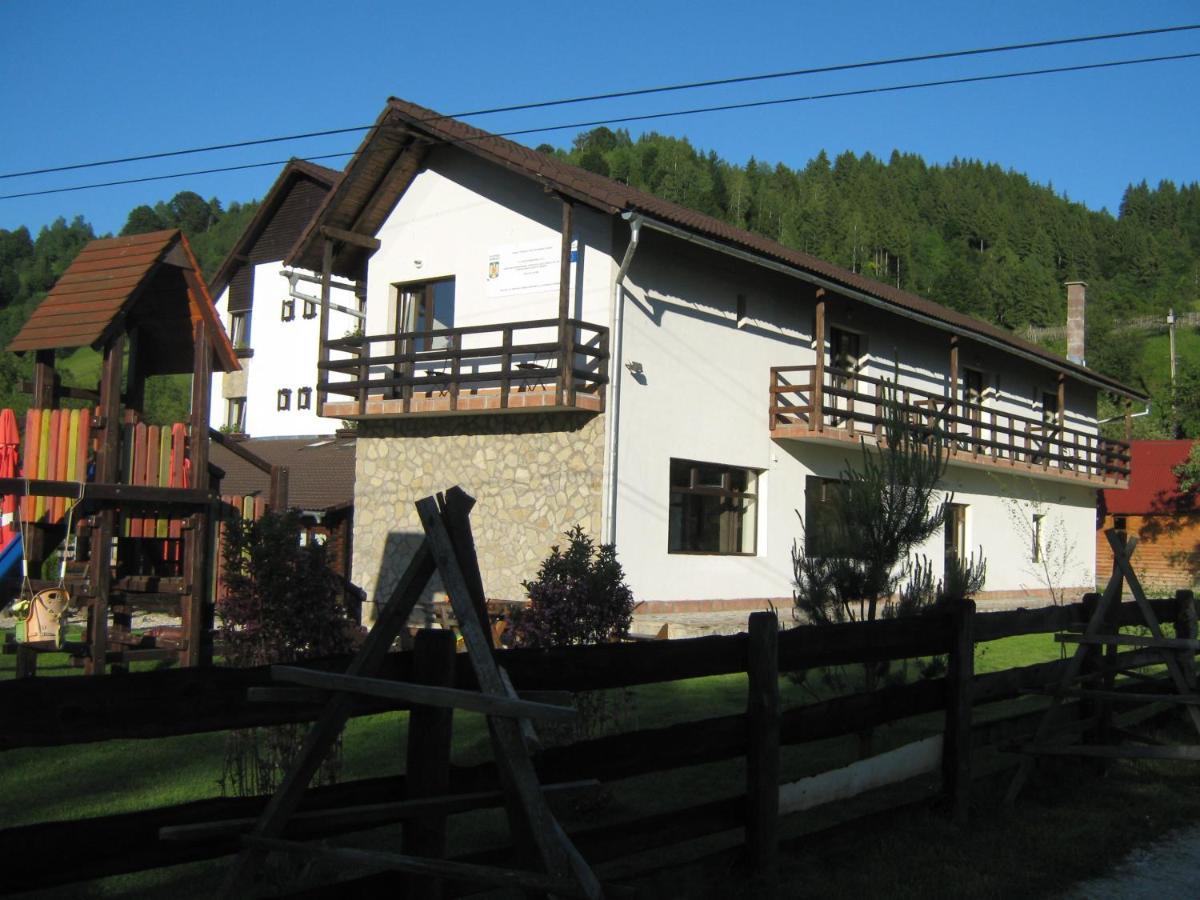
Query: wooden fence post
{"points": [[762, 752], [1185, 627], [1089, 671], [956, 746], [427, 773]]}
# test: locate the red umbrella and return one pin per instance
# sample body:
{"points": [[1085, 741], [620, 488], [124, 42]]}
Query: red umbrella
{"points": [[10, 438]]}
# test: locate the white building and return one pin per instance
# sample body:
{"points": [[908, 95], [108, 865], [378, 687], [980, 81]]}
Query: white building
{"points": [[717, 380], [272, 316]]}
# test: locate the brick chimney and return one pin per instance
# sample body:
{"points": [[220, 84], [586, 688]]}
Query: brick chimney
{"points": [[1076, 308]]}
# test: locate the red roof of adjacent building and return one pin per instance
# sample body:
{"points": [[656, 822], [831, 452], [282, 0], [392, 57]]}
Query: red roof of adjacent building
{"points": [[1153, 486]]}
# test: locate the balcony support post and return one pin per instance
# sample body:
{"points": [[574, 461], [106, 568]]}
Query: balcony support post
{"points": [[952, 423], [1128, 420], [817, 416], [323, 345], [566, 336]]}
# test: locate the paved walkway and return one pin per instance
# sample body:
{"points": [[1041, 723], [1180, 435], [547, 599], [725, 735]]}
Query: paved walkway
{"points": [[1164, 871], [681, 625]]}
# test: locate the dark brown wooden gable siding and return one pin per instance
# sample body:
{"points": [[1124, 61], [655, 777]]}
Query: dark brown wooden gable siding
{"points": [[281, 232], [241, 289]]}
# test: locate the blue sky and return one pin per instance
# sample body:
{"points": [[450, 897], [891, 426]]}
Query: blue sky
{"points": [[91, 81]]}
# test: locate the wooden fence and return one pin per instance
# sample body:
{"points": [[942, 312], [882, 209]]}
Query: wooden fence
{"points": [[60, 711]]}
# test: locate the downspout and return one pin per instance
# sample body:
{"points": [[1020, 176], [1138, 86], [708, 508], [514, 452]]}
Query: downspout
{"points": [[613, 403]]}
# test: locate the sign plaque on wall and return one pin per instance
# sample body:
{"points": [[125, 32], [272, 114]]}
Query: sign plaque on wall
{"points": [[523, 269]]}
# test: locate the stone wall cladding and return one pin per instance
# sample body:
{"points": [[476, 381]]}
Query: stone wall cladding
{"points": [[533, 475]]}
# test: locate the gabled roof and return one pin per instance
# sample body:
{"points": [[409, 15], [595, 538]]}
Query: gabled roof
{"points": [[149, 280], [394, 150], [1153, 486], [320, 469], [238, 253]]}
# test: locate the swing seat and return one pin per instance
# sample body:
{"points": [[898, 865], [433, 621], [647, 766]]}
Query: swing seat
{"points": [[47, 617]]}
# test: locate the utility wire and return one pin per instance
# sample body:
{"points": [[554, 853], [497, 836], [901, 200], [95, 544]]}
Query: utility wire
{"points": [[751, 104], [637, 92], [103, 184], [858, 92]]}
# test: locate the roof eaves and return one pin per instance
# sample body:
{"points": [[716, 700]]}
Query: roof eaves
{"points": [[612, 197], [266, 209]]}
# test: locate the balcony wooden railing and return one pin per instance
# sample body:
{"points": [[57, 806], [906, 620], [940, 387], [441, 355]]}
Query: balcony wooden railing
{"points": [[531, 365], [852, 406]]}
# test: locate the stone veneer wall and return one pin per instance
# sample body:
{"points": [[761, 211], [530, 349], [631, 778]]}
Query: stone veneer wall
{"points": [[533, 475]]}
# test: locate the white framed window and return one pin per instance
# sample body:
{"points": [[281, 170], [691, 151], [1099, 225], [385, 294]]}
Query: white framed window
{"points": [[283, 400], [239, 330], [287, 310], [304, 398], [235, 414], [713, 509]]}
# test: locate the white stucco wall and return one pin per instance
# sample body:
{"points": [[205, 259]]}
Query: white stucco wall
{"points": [[285, 356], [704, 397], [455, 214]]}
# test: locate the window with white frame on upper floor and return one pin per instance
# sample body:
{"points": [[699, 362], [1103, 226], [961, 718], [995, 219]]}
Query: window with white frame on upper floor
{"points": [[423, 307], [283, 399], [235, 414], [304, 398], [239, 329], [713, 509]]}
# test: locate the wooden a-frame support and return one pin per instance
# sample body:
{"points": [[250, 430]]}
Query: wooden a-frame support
{"points": [[552, 864], [1101, 632]]}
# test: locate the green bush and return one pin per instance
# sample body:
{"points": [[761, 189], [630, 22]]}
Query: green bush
{"points": [[579, 597]]}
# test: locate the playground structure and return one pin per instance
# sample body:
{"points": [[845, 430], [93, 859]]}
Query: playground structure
{"points": [[131, 505]]}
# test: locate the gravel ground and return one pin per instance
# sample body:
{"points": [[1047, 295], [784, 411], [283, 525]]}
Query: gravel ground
{"points": [[1167, 870]]}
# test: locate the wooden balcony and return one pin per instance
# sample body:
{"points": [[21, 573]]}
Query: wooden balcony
{"points": [[535, 366], [852, 408]]}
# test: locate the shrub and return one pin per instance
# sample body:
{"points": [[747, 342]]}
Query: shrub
{"points": [[579, 597], [278, 605]]}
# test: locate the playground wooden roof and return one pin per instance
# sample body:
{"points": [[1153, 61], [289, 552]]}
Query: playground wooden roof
{"points": [[148, 281]]}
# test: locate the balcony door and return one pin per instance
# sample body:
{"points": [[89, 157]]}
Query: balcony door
{"points": [[845, 354], [972, 411], [426, 307]]}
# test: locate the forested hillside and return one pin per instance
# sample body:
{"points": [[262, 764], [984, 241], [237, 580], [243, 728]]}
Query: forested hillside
{"points": [[974, 236]]}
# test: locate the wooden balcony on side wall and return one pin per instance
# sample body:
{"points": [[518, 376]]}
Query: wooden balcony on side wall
{"points": [[535, 366], [852, 408]]}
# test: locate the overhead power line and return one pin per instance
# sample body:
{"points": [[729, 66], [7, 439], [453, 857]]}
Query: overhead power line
{"points": [[103, 184], [749, 104], [635, 92], [855, 92]]}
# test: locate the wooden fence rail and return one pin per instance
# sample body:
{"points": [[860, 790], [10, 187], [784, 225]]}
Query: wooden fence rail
{"points": [[51, 711]]}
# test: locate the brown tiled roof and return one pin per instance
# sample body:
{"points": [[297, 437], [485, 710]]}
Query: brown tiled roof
{"points": [[150, 278], [612, 197], [262, 216], [320, 469]]}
